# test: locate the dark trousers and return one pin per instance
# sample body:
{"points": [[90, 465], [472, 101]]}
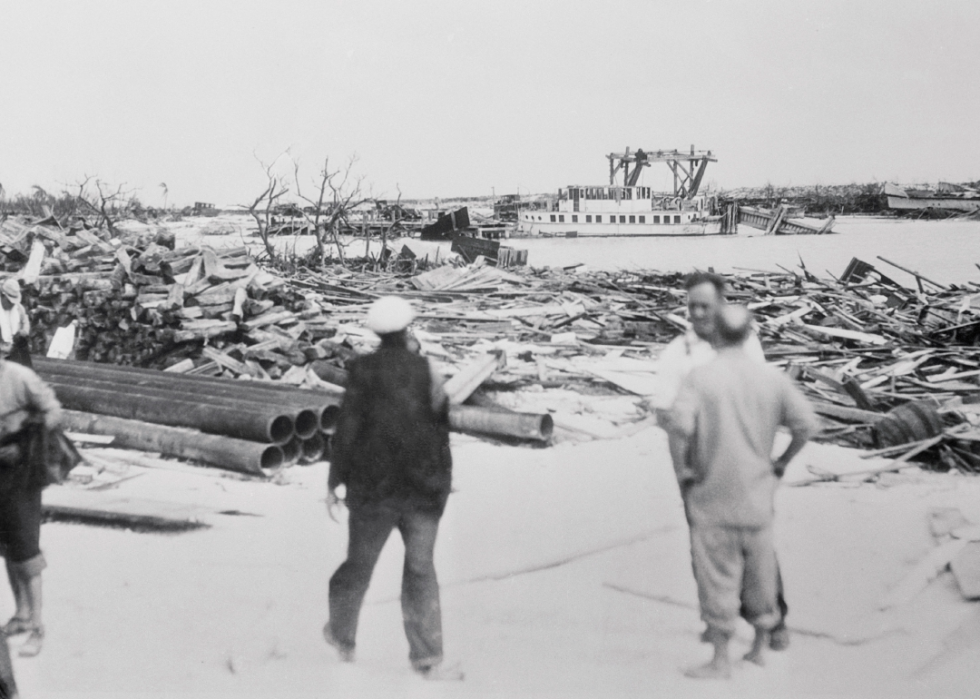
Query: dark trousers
{"points": [[20, 523], [370, 525]]}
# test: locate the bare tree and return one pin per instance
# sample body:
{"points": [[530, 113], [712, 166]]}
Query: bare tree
{"points": [[107, 204], [163, 186], [344, 193], [396, 220], [261, 209]]}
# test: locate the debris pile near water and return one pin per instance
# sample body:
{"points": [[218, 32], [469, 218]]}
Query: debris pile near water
{"points": [[863, 346]]}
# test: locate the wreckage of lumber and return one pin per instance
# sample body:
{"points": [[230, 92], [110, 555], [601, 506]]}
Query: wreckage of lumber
{"points": [[777, 222], [860, 346]]}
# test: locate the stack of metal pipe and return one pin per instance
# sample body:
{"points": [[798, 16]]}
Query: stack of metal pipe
{"points": [[248, 426]]}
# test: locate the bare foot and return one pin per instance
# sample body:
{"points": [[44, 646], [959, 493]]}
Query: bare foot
{"points": [[710, 671], [779, 638], [758, 643], [440, 673]]}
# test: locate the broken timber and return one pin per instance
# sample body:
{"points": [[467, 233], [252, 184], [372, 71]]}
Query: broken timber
{"points": [[777, 222]]}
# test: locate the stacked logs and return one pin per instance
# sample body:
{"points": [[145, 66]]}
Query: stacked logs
{"points": [[135, 300], [155, 301]]}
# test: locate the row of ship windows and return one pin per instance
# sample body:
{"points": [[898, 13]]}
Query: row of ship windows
{"points": [[612, 219]]}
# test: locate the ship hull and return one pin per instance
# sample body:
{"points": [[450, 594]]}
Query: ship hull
{"points": [[547, 229]]}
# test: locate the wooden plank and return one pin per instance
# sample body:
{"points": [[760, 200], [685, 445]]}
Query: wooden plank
{"points": [[469, 378], [268, 319], [842, 333], [895, 465], [850, 414], [923, 573], [181, 367], [32, 270], [238, 304], [112, 508], [641, 385], [224, 360]]}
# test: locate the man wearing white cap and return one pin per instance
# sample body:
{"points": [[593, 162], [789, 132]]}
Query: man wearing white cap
{"points": [[15, 327], [390, 451]]}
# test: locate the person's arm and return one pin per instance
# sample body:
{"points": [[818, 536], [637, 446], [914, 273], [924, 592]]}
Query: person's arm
{"points": [[343, 441], [671, 367], [23, 322], [799, 417], [437, 394], [680, 447], [681, 430], [42, 401]]}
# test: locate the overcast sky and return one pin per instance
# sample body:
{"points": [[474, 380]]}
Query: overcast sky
{"points": [[454, 98]]}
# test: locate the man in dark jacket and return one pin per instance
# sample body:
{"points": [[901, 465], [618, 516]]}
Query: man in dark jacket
{"points": [[391, 452]]}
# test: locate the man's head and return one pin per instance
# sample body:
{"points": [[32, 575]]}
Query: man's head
{"points": [[732, 325], [705, 295], [389, 315], [10, 292]]}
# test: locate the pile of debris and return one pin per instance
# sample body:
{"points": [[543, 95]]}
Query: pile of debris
{"points": [[885, 364]]}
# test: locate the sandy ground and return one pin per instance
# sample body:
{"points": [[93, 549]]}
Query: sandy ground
{"points": [[565, 572]]}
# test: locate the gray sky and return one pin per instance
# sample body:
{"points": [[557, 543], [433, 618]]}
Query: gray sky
{"points": [[452, 98]]}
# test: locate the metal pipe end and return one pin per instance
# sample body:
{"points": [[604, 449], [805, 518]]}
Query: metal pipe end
{"points": [[272, 458], [312, 449], [328, 418], [547, 427], [291, 451], [281, 429], [306, 424]]}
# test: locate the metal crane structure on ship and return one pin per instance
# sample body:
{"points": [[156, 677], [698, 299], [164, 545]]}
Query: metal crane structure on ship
{"points": [[627, 208]]}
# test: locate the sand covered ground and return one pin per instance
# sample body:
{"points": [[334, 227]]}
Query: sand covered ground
{"points": [[565, 571]]}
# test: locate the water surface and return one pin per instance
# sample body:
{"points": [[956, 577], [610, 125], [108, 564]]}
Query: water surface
{"points": [[945, 251]]}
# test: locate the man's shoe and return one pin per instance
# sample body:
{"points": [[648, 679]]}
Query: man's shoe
{"points": [[779, 638], [345, 653], [32, 646], [438, 673]]}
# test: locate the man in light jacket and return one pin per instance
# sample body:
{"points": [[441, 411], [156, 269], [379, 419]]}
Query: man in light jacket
{"points": [[725, 419]]}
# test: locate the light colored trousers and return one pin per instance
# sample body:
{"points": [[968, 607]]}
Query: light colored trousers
{"points": [[735, 566]]}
